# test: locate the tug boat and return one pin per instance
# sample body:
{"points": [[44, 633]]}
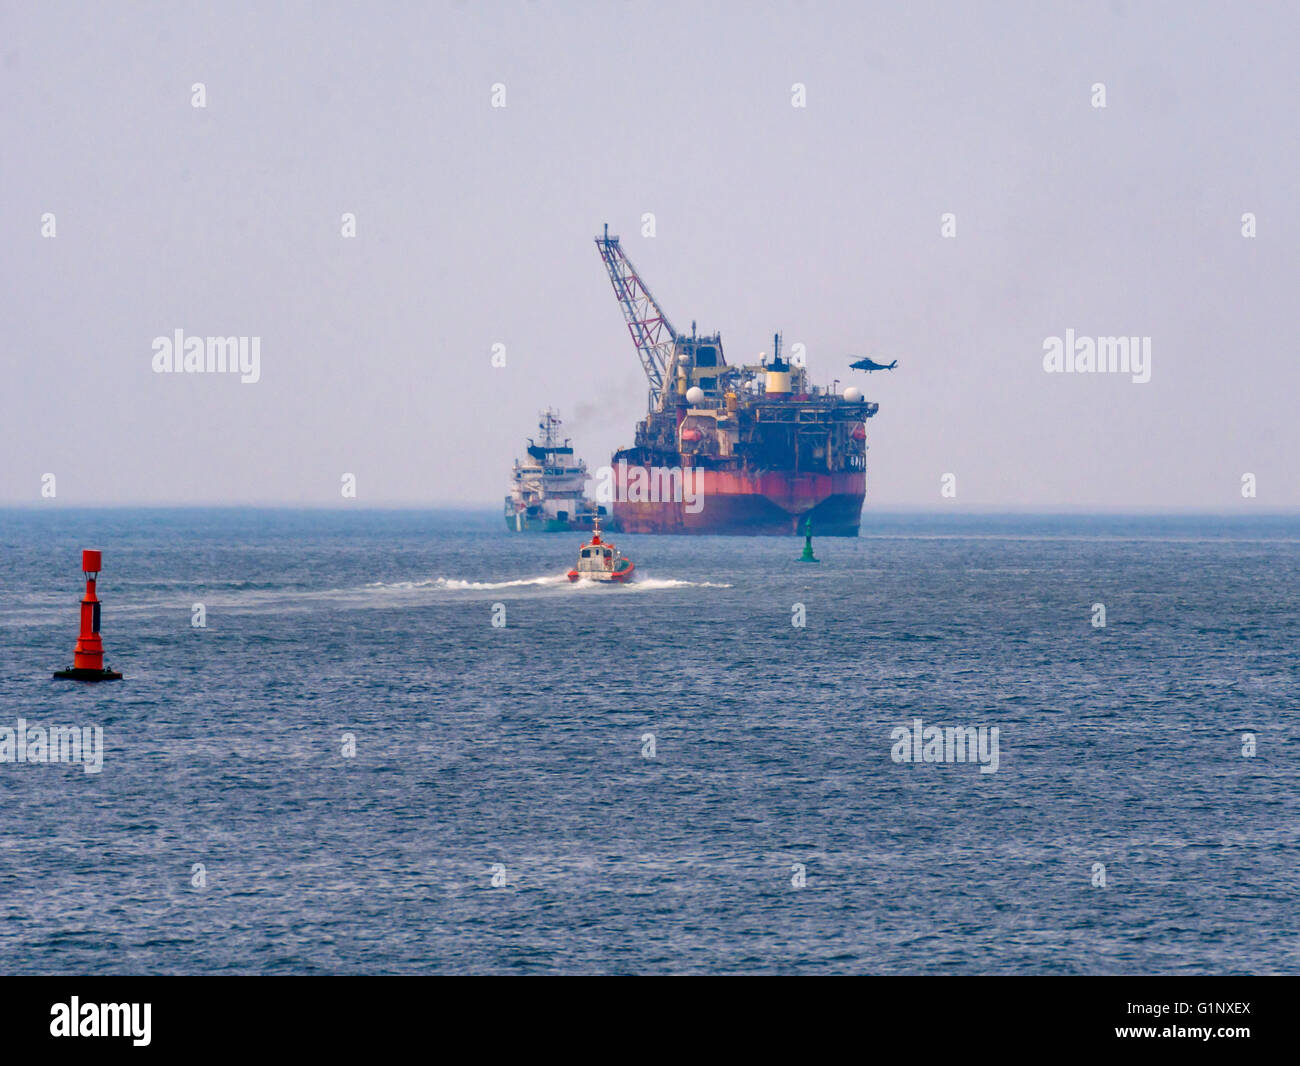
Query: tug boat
{"points": [[601, 561]]}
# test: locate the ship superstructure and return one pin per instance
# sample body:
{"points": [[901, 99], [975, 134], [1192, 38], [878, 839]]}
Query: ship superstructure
{"points": [[764, 448], [547, 493]]}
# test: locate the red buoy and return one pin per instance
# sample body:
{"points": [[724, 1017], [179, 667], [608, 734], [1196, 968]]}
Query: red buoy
{"points": [[88, 655]]}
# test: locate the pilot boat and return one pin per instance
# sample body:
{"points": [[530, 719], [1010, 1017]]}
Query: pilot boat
{"points": [[601, 561]]}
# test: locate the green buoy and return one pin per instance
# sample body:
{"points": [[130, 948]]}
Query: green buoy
{"points": [[808, 556]]}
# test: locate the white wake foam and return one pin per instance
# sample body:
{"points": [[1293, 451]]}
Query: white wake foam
{"points": [[651, 583], [455, 584]]}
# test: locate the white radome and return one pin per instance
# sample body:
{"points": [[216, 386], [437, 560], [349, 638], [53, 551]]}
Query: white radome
{"points": [[695, 396], [852, 395]]}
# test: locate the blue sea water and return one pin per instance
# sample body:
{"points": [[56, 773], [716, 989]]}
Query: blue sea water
{"points": [[517, 753]]}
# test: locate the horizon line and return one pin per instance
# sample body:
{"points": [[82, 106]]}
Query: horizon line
{"points": [[1239, 511]]}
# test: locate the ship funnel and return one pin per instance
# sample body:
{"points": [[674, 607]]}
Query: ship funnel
{"points": [[778, 382]]}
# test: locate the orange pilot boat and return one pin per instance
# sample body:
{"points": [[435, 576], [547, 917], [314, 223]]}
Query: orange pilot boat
{"points": [[601, 561]]}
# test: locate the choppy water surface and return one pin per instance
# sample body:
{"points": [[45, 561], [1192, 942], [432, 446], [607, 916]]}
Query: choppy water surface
{"points": [[524, 746]]}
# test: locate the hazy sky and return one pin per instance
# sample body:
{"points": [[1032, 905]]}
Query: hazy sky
{"points": [[475, 223]]}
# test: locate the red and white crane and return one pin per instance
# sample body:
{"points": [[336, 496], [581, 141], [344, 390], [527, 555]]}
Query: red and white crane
{"points": [[652, 333]]}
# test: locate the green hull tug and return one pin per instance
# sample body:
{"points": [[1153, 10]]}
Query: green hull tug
{"points": [[808, 556]]}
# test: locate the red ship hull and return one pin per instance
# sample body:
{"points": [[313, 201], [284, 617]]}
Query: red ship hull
{"points": [[770, 504]]}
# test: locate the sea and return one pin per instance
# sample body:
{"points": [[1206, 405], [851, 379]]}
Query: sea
{"points": [[402, 742]]}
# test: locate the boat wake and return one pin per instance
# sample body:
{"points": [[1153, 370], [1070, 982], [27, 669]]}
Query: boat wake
{"points": [[452, 584], [47, 610], [652, 583]]}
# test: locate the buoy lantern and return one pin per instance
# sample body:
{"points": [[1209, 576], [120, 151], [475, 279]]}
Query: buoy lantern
{"points": [[88, 655]]}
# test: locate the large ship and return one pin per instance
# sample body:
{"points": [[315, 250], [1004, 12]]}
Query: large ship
{"points": [[548, 493], [741, 449]]}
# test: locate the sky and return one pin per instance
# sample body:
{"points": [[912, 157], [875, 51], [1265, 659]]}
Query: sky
{"points": [[474, 228]]}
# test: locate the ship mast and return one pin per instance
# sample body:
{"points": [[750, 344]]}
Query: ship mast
{"points": [[548, 428], [652, 333]]}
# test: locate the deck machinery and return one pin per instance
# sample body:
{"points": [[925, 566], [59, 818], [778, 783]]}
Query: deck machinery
{"points": [[768, 449]]}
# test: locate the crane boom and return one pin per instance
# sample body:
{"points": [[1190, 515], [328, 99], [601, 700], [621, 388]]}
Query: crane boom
{"points": [[651, 331]]}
